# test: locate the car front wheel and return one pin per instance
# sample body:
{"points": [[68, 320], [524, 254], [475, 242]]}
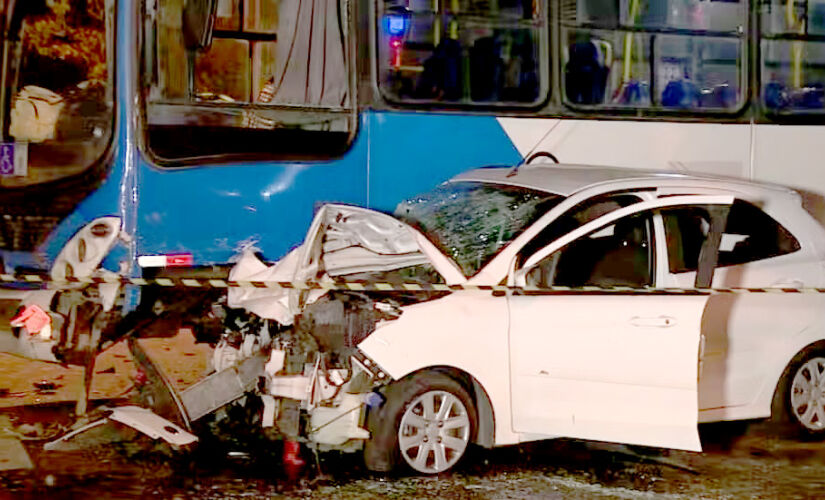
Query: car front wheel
{"points": [[428, 420]]}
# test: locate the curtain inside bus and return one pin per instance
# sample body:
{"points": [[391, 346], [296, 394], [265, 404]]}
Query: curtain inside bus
{"points": [[309, 63], [273, 82]]}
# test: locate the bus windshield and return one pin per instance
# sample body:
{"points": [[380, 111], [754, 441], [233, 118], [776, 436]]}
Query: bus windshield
{"points": [[57, 92]]}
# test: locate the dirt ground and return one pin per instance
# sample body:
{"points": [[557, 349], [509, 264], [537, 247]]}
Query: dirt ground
{"points": [[735, 465], [183, 361]]}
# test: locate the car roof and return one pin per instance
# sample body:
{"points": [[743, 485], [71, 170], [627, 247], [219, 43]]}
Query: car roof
{"points": [[566, 179]]}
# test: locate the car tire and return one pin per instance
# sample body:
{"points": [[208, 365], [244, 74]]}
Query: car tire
{"points": [[798, 407], [427, 422]]}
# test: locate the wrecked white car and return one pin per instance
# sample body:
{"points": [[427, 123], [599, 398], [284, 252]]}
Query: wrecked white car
{"points": [[416, 374], [510, 305]]}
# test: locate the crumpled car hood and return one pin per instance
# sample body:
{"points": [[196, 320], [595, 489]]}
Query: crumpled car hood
{"points": [[341, 240]]}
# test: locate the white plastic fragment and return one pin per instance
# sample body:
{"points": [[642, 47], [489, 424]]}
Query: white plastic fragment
{"points": [[289, 386], [13, 455], [335, 426], [275, 363], [336, 378], [266, 303], [152, 425], [268, 419], [66, 438]]}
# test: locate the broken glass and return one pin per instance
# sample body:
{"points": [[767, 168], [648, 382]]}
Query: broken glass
{"points": [[470, 221]]}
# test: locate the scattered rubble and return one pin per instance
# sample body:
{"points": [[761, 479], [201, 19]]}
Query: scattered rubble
{"points": [[13, 455]]}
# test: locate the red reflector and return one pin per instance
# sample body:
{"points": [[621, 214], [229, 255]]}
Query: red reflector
{"points": [[179, 260]]}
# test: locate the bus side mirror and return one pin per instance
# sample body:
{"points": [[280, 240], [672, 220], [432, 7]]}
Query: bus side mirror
{"points": [[198, 20]]}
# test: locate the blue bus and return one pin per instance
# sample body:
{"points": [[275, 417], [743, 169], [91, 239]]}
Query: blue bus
{"points": [[154, 138]]}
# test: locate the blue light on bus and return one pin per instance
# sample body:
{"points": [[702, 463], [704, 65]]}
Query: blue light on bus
{"points": [[396, 24]]}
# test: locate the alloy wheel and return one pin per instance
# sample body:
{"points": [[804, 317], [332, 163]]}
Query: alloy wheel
{"points": [[434, 432], [808, 394]]}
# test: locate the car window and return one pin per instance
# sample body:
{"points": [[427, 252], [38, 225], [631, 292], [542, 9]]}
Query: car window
{"points": [[586, 211], [620, 254], [686, 229], [750, 235]]}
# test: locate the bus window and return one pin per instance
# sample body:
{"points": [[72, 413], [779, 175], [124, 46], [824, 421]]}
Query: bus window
{"points": [[57, 93], [463, 52], [246, 79], [671, 55], [793, 56]]}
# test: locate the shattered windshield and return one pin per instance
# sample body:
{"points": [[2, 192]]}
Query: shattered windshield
{"points": [[471, 221]]}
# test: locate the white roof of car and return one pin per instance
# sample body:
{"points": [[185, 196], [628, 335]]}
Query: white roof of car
{"points": [[568, 179]]}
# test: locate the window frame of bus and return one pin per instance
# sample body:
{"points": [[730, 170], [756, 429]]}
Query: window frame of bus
{"points": [[766, 36], [541, 24], [91, 175], [654, 108], [263, 136]]}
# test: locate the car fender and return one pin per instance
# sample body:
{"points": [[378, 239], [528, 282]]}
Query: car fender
{"points": [[795, 344], [465, 331]]}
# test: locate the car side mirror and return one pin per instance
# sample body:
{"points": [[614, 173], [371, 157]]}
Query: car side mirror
{"points": [[198, 20]]}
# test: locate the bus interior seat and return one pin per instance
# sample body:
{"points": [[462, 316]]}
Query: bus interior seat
{"points": [[682, 94], [486, 69], [776, 96], [810, 96], [442, 75], [779, 96], [720, 96], [525, 88], [585, 74], [495, 79]]}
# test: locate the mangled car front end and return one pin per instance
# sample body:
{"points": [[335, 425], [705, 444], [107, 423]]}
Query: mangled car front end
{"points": [[314, 340]]}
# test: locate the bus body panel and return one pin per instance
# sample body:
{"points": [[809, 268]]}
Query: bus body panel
{"points": [[214, 211], [715, 148], [791, 155]]}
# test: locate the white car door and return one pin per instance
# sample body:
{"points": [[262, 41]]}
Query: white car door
{"points": [[606, 366], [743, 331]]}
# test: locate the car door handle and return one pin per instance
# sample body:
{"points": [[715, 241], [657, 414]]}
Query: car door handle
{"points": [[656, 322]]}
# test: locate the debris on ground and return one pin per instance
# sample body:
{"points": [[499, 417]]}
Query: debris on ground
{"points": [[13, 455]]}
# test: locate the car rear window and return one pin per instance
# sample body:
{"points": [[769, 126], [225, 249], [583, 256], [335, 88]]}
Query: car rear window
{"points": [[750, 235]]}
